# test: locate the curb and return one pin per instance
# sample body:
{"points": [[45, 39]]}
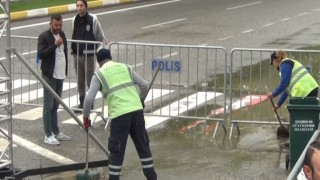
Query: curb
{"points": [[63, 9]]}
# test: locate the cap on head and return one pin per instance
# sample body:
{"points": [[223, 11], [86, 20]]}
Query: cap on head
{"points": [[84, 2], [272, 57], [103, 54]]}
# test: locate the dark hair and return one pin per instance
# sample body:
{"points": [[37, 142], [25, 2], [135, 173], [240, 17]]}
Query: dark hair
{"points": [[84, 2], [56, 17], [314, 146]]}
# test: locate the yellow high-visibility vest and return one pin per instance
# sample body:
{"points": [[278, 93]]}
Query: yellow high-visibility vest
{"points": [[118, 89], [301, 83]]}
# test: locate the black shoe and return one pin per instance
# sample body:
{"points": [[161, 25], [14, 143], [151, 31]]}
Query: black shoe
{"points": [[79, 110]]}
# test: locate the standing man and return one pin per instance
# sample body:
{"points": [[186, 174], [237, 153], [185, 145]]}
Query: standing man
{"points": [[295, 80], [117, 82], [86, 27], [52, 50]]}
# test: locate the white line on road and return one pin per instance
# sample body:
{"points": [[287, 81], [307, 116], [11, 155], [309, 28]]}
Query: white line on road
{"points": [[25, 53], [154, 94], [285, 19], [245, 5], [160, 24], [169, 55], [98, 14], [137, 65], [39, 150], [316, 10], [180, 107], [225, 38], [269, 24], [303, 14], [247, 31]]}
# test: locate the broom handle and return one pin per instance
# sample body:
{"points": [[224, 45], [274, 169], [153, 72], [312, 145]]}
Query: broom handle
{"points": [[276, 112], [154, 77], [87, 152]]}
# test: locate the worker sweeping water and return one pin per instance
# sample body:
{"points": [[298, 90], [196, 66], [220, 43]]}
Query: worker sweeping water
{"points": [[117, 83], [295, 79]]}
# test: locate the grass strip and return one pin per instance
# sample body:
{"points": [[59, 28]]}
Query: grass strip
{"points": [[23, 5]]}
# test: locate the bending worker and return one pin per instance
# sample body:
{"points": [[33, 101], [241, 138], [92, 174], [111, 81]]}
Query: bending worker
{"points": [[295, 80], [117, 82]]}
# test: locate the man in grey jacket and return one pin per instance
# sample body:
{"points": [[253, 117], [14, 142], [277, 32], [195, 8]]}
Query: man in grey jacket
{"points": [[86, 27]]}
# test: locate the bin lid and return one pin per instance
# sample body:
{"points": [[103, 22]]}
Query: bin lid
{"points": [[304, 103]]}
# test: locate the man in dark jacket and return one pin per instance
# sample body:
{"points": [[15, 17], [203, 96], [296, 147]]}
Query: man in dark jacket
{"points": [[86, 27], [52, 50]]}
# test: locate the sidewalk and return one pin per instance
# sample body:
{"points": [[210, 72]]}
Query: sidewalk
{"points": [[63, 9]]}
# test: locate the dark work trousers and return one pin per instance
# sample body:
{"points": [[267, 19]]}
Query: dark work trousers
{"points": [[84, 66], [132, 123], [313, 93]]}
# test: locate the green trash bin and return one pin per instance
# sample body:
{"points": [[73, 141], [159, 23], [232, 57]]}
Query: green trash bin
{"points": [[304, 120]]}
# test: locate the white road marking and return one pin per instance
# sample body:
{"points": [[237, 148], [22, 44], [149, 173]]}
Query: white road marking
{"points": [[245, 5], [160, 24], [315, 10], [153, 94], [225, 38], [138, 65], [98, 14], [247, 31], [38, 93], [25, 53], [180, 106], [285, 19], [18, 83], [169, 55], [269, 24], [39, 150], [36, 113], [303, 14]]}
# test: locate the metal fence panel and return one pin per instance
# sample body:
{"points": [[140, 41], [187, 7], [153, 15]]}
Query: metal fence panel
{"points": [[28, 91], [194, 76], [253, 74]]}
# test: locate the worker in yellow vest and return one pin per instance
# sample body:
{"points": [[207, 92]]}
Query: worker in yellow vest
{"points": [[117, 82], [295, 79]]}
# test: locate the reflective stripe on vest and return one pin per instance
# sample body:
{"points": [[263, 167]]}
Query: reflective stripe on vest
{"points": [[301, 82], [118, 89]]}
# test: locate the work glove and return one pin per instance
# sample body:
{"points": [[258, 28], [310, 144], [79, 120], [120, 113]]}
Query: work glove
{"points": [[86, 122]]}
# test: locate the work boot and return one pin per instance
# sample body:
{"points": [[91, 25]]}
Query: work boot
{"points": [[81, 99]]}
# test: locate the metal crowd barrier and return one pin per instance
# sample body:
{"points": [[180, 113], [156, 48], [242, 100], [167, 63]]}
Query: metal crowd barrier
{"points": [[27, 90], [252, 74], [191, 81]]}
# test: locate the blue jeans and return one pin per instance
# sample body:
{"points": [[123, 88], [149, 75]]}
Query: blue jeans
{"points": [[50, 106]]}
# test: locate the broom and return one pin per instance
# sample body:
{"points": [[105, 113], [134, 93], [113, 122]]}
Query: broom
{"points": [[85, 174], [282, 131]]}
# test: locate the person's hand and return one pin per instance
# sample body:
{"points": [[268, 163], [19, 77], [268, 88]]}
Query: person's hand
{"points": [[59, 42], [86, 122], [269, 95], [275, 107]]}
